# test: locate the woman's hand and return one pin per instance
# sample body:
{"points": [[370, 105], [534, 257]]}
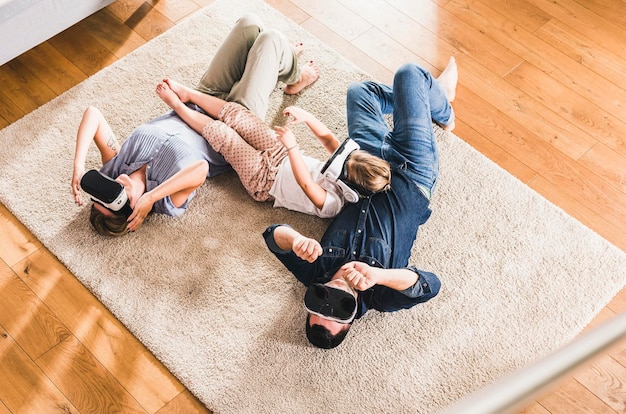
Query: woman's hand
{"points": [[142, 208], [286, 137], [76, 176], [298, 115]]}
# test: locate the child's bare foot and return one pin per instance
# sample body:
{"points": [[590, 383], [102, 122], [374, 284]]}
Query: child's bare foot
{"points": [[299, 47], [449, 78], [309, 74], [178, 88], [167, 95]]}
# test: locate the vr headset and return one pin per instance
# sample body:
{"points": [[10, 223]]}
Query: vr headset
{"points": [[330, 303], [334, 169], [107, 192]]}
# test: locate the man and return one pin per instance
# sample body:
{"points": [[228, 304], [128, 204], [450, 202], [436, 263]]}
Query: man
{"points": [[362, 261]]}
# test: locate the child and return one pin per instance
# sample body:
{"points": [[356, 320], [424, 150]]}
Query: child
{"points": [[268, 162]]}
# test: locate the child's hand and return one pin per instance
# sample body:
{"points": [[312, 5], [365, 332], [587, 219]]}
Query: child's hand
{"points": [[298, 114], [285, 136]]}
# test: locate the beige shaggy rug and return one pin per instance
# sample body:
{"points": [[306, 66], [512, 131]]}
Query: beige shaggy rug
{"points": [[520, 277]]}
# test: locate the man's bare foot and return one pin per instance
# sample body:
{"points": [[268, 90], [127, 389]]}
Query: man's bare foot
{"points": [[449, 78], [299, 47], [309, 74], [178, 88], [167, 95]]}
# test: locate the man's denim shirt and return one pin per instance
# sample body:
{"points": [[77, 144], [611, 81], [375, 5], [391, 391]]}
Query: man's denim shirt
{"points": [[377, 230]]}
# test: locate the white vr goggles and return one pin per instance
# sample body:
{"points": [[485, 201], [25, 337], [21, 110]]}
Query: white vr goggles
{"points": [[106, 192], [334, 169]]}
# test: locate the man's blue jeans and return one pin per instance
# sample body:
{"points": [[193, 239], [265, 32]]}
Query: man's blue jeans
{"points": [[415, 100]]}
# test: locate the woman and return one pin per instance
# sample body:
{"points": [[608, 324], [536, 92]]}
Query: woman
{"points": [[268, 162], [163, 162]]}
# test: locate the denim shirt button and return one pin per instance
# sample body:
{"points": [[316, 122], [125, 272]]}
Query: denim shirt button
{"points": [[358, 231], [330, 250], [354, 252]]}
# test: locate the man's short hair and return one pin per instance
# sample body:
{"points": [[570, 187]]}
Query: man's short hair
{"points": [[321, 337]]}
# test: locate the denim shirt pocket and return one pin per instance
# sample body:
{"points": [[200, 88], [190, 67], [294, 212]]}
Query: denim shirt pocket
{"points": [[377, 253]]}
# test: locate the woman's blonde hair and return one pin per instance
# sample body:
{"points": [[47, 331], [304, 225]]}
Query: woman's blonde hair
{"points": [[108, 225], [368, 171]]}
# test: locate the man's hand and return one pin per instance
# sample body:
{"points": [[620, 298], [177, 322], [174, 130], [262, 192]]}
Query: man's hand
{"points": [[359, 275], [362, 276], [306, 248]]}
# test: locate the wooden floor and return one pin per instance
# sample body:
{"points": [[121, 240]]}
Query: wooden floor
{"points": [[541, 92]]}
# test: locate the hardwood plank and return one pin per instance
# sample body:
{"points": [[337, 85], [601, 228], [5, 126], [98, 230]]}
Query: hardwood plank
{"points": [[114, 35], [618, 303], [184, 403], [17, 242], [22, 88], [612, 11], [203, 3], [536, 116], [148, 22], [290, 10], [125, 9], [534, 408], [23, 386], [8, 110], [3, 122], [603, 161], [586, 22], [29, 322], [496, 154], [349, 50], [462, 36], [392, 29], [335, 16], [136, 369], [387, 52], [538, 155], [524, 14], [553, 62], [606, 380], [587, 52], [82, 49], [174, 10], [570, 397], [85, 382], [570, 105], [52, 68], [586, 215], [620, 355]]}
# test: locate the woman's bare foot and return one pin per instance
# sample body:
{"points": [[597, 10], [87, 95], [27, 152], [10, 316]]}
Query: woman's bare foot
{"points": [[309, 74], [299, 47], [449, 78], [179, 89], [167, 95]]}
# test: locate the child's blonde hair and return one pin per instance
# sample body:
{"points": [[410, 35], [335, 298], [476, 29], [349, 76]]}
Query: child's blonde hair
{"points": [[368, 171]]}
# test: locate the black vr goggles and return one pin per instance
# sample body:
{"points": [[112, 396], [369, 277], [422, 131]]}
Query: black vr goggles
{"points": [[334, 170], [106, 192], [330, 303]]}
